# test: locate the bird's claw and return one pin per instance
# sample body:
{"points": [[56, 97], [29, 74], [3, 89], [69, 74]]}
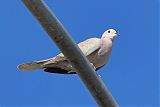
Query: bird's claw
{"points": [[94, 69], [93, 66]]}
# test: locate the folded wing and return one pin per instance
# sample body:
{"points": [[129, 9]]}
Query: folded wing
{"points": [[87, 47]]}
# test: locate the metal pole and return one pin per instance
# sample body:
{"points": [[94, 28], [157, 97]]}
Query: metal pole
{"points": [[69, 48]]}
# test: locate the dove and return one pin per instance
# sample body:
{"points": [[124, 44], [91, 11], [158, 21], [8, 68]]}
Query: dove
{"points": [[96, 50]]}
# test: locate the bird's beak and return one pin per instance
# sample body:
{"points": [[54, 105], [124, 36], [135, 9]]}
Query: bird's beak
{"points": [[117, 34]]}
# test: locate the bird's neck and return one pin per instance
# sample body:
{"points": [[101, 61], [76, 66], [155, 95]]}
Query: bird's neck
{"points": [[107, 42], [108, 38]]}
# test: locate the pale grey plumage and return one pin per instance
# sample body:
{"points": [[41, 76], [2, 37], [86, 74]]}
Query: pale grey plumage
{"points": [[97, 50]]}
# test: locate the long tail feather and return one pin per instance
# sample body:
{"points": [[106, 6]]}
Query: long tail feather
{"points": [[31, 66]]}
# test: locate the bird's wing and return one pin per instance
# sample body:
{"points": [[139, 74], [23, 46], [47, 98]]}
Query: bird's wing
{"points": [[59, 64], [89, 46]]}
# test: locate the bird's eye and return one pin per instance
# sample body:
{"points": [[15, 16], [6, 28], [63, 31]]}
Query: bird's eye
{"points": [[109, 31]]}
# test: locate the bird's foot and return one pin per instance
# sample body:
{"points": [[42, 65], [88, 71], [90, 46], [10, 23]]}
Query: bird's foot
{"points": [[95, 69], [93, 66]]}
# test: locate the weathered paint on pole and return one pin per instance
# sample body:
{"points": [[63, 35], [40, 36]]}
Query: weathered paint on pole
{"points": [[71, 51]]}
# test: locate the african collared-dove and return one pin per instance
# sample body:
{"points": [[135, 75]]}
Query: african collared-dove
{"points": [[97, 50]]}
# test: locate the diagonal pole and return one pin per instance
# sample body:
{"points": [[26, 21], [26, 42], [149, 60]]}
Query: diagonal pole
{"points": [[71, 51]]}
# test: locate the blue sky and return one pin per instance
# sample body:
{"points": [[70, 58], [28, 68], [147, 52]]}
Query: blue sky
{"points": [[132, 72]]}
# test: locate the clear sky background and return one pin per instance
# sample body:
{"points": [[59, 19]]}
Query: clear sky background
{"points": [[132, 72]]}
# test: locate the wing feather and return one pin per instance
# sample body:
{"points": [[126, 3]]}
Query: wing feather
{"points": [[87, 47]]}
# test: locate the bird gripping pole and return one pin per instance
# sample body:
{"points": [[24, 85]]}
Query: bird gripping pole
{"points": [[71, 51]]}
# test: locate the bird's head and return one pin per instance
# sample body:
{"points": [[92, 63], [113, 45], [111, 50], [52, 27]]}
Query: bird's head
{"points": [[110, 33]]}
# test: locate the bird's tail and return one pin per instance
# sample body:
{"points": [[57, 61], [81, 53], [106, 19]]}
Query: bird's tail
{"points": [[32, 65]]}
